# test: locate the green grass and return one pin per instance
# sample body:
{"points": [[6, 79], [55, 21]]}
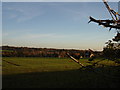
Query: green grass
{"points": [[6, 50], [37, 65], [34, 72]]}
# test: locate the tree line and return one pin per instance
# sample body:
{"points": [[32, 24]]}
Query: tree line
{"points": [[111, 50], [11, 51]]}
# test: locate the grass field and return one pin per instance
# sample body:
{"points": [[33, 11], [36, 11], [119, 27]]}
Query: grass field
{"points": [[33, 72]]}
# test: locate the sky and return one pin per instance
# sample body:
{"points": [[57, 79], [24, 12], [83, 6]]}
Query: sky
{"points": [[58, 0], [55, 24], [0, 23]]}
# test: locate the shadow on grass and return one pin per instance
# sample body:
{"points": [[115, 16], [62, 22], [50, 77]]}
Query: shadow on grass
{"points": [[81, 78]]}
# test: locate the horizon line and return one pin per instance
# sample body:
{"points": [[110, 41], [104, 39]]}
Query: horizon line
{"points": [[51, 47]]}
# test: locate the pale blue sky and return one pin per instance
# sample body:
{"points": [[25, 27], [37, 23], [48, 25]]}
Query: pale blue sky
{"points": [[58, 0], [0, 23], [55, 25]]}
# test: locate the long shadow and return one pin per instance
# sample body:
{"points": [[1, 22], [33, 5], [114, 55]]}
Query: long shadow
{"points": [[81, 78]]}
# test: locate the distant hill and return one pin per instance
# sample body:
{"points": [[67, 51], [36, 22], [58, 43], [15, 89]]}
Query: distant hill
{"points": [[11, 51]]}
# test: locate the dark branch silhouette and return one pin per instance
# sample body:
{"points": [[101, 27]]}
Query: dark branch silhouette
{"points": [[106, 23]]}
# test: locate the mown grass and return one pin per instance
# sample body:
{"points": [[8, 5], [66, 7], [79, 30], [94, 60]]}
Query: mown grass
{"points": [[37, 65], [59, 73]]}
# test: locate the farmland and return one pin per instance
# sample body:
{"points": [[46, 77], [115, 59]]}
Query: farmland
{"points": [[36, 72]]}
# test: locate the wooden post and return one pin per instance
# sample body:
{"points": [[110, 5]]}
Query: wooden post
{"points": [[75, 60]]}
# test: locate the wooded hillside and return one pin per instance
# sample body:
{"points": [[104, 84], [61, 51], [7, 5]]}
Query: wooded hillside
{"points": [[10, 51]]}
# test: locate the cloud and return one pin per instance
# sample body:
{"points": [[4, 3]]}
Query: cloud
{"points": [[28, 14], [23, 11], [75, 14], [30, 36], [47, 35], [5, 34]]}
